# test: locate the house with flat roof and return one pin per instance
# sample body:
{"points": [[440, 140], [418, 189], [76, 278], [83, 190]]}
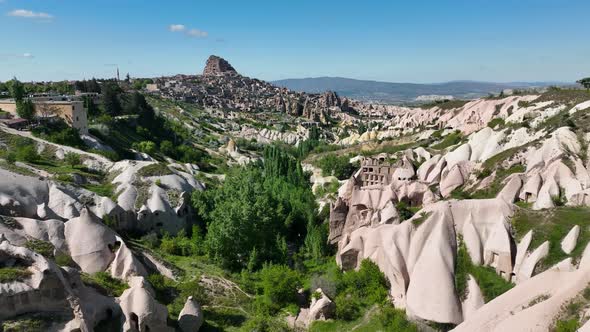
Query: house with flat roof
{"points": [[72, 112]]}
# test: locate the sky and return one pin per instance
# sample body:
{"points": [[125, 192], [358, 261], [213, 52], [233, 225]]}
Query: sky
{"points": [[388, 40]]}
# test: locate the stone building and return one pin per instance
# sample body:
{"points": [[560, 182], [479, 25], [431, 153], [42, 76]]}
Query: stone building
{"points": [[72, 112]]}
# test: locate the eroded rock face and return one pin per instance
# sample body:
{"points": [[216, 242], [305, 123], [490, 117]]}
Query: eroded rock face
{"points": [[91, 244], [532, 305], [42, 290], [216, 66]]}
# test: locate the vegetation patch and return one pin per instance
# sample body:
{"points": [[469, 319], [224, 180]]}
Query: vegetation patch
{"points": [[157, 169], [553, 225], [43, 248], [338, 166], [12, 274], [572, 314], [490, 283], [446, 104], [451, 139], [104, 283], [569, 97]]}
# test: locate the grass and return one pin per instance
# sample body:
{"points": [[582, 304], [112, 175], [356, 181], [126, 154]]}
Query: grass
{"points": [[41, 247], [383, 318], [104, 283], [63, 259], [570, 97], [157, 169], [225, 309], [449, 140], [16, 169], [569, 319], [102, 189], [490, 283], [498, 184], [28, 324], [553, 226], [11, 274]]}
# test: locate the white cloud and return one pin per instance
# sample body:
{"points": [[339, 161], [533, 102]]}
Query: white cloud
{"points": [[197, 33], [176, 27], [15, 55], [30, 14]]}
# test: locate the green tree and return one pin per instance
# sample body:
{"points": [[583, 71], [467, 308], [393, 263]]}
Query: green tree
{"points": [[91, 108], [167, 148], [585, 82], [110, 99], [25, 109], [17, 90]]}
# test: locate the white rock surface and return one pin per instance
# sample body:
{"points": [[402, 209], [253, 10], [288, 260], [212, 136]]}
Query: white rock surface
{"points": [[570, 240]]}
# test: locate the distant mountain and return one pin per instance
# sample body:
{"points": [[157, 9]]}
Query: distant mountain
{"points": [[387, 92]]}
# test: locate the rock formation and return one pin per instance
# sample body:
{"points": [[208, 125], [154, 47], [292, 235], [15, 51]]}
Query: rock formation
{"points": [[216, 66]]}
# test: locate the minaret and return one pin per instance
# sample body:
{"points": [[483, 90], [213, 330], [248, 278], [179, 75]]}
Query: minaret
{"points": [[118, 78]]}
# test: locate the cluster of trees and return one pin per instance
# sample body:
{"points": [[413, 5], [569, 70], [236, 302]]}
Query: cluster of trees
{"points": [[62, 87], [133, 122], [338, 166], [585, 82], [88, 86], [60, 132], [261, 213]]}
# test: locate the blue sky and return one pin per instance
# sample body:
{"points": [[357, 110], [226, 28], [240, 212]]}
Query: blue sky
{"points": [[397, 41]]}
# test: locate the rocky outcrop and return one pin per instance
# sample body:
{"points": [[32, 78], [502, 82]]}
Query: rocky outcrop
{"points": [[320, 308], [190, 318], [142, 312], [218, 66]]}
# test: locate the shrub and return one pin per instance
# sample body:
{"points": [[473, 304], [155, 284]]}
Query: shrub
{"points": [[151, 240], [148, 147], [27, 153], [361, 289], [72, 159], [264, 323], [570, 325], [395, 320], [348, 307], [11, 274], [496, 122], [404, 211], [181, 245], [69, 136], [279, 286]]}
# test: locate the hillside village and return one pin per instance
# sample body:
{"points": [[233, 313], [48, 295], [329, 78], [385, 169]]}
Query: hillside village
{"points": [[218, 202]]}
